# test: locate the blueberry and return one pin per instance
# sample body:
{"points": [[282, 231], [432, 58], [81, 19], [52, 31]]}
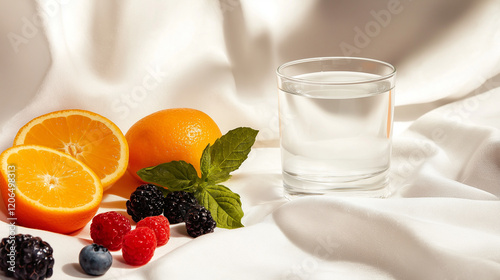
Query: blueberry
{"points": [[95, 259]]}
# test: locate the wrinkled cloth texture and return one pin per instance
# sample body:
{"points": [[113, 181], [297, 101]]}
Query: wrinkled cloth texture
{"points": [[126, 59]]}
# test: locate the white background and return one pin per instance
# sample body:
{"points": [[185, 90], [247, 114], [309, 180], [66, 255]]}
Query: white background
{"points": [[126, 59]]}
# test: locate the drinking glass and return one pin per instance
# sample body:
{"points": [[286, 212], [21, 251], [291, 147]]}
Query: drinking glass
{"points": [[336, 117]]}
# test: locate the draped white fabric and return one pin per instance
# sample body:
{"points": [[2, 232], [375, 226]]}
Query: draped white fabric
{"points": [[126, 59]]}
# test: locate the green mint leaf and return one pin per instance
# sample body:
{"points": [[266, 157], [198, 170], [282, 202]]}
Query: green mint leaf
{"points": [[223, 204], [210, 172], [174, 175], [227, 154], [205, 160]]}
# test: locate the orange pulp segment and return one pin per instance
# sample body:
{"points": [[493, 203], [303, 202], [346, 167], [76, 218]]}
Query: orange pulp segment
{"points": [[46, 189]]}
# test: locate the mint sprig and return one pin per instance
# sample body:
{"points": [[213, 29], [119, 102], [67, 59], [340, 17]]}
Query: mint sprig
{"points": [[223, 204], [217, 162]]}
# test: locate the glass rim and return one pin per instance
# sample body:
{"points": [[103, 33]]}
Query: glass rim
{"points": [[314, 59]]}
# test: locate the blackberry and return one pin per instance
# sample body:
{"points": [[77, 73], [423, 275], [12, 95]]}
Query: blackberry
{"points": [[199, 221], [23, 256], [177, 205], [145, 201]]}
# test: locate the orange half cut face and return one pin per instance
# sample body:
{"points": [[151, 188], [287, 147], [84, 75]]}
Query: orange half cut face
{"points": [[86, 136], [47, 189]]}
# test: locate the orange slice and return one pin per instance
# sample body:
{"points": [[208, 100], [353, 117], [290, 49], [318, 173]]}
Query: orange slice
{"points": [[46, 189], [87, 136]]}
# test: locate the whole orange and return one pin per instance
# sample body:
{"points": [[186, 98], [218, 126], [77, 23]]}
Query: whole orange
{"points": [[170, 135]]}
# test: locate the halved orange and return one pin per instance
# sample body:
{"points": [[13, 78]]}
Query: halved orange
{"points": [[46, 189], [87, 136]]}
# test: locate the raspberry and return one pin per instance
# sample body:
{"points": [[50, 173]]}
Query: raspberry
{"points": [[108, 229], [23, 256], [161, 227], [199, 221], [139, 246], [177, 204], [145, 201]]}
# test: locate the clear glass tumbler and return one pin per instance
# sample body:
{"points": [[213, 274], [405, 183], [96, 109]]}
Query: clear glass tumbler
{"points": [[336, 116]]}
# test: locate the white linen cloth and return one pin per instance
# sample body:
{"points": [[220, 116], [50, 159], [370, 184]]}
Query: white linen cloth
{"points": [[126, 59]]}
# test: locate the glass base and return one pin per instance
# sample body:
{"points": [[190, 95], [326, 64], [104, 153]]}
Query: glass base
{"points": [[371, 185]]}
